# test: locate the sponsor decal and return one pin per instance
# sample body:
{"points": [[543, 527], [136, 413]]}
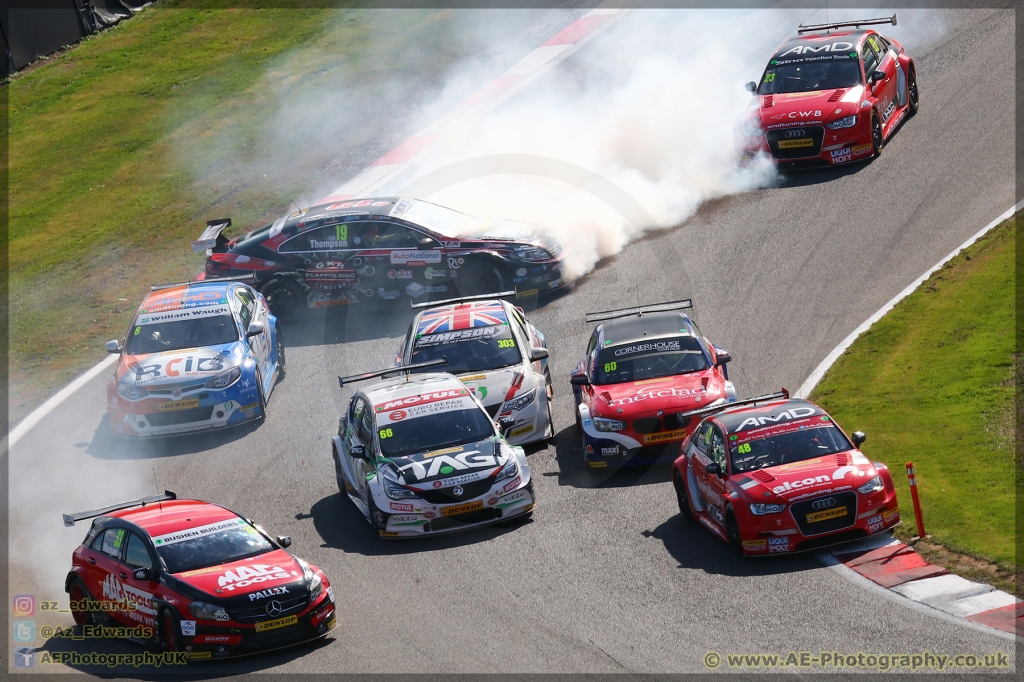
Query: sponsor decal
{"points": [[452, 244], [397, 415], [388, 534], [217, 639], [455, 263], [614, 450], [188, 628], [875, 527], [399, 274], [649, 394], [415, 257], [793, 124], [406, 519], [421, 399], [522, 430], [475, 377], [598, 464], [172, 316], [446, 464], [521, 272], [650, 347], [429, 514], [526, 294], [355, 204], [400, 207], [269, 592], [445, 451], [841, 159], [790, 414], [797, 465], [197, 532], [659, 380], [201, 571], [891, 516], [180, 405], [119, 592], [278, 623], [196, 655], [401, 506], [436, 289], [755, 545], [665, 436], [888, 111], [243, 576], [840, 152], [329, 302], [778, 544], [837, 47], [877, 518], [512, 498], [512, 485], [415, 290], [862, 149], [470, 334], [789, 144], [462, 508], [826, 515]]}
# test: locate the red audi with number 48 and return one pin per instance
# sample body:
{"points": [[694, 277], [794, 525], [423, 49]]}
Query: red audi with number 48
{"points": [[771, 474], [197, 578]]}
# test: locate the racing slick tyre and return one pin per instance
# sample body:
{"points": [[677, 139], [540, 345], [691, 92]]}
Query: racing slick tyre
{"points": [[281, 367], [284, 296], [261, 396], [550, 391], [339, 475], [877, 139], [371, 507], [732, 531], [912, 94], [480, 277], [579, 422], [681, 497], [77, 595], [170, 627]]}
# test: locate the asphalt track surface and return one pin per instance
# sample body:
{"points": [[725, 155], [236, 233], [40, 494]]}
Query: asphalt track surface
{"points": [[606, 577]]}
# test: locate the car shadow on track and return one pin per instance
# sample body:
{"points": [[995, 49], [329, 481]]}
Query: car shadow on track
{"points": [[343, 527], [817, 176], [572, 471], [61, 651], [106, 446], [694, 547]]}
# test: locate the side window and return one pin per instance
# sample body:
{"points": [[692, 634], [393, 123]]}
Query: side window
{"points": [[366, 427], [716, 447], [870, 56], [357, 412], [327, 238], [97, 542], [700, 439], [383, 235], [137, 554], [113, 542], [244, 301]]}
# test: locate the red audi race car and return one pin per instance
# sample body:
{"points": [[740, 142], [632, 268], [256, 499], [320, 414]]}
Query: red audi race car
{"points": [[203, 579], [643, 368], [388, 249], [773, 474], [829, 98]]}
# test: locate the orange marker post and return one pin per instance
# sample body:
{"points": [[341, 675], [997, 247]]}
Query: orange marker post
{"points": [[917, 500]]}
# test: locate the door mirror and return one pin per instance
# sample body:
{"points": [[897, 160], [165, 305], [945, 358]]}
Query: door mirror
{"points": [[255, 329], [284, 541], [722, 358], [751, 87], [538, 353], [114, 346], [144, 573], [859, 437], [876, 76], [505, 424], [579, 380], [713, 468], [358, 451]]}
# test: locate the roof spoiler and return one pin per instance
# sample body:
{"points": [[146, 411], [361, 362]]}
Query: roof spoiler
{"points": [[249, 278], [640, 310], [845, 24], [211, 237], [390, 370], [71, 519], [479, 297], [680, 416]]}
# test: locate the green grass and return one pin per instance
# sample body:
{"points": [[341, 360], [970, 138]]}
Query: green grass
{"points": [[121, 147], [933, 383]]}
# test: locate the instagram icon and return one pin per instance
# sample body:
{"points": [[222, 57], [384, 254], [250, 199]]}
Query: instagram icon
{"points": [[24, 605]]}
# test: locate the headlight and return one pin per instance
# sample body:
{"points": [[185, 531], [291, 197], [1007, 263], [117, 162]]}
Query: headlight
{"points": [[751, 130], [847, 122], [204, 611], [760, 509], [602, 424], [533, 253], [131, 392], [394, 489], [872, 486], [519, 403], [507, 471], [225, 378]]}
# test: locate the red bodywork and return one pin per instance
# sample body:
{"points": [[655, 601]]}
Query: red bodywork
{"points": [[243, 588], [792, 129], [819, 497]]}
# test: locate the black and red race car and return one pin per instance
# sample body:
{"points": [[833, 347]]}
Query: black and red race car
{"points": [[643, 367], [198, 578], [829, 98], [771, 475], [383, 249]]}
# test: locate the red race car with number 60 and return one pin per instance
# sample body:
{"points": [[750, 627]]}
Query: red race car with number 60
{"points": [[771, 475]]}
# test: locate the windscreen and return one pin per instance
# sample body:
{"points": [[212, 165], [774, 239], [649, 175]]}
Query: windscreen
{"points": [[477, 349], [650, 360], [800, 444], [157, 337], [808, 76], [210, 545], [424, 423]]}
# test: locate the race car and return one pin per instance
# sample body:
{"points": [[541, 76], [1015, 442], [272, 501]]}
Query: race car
{"points": [[418, 455], [644, 366], [198, 355], [384, 249], [773, 474], [492, 348], [829, 99], [195, 577]]}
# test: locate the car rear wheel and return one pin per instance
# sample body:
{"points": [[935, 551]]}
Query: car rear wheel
{"points": [[681, 499], [281, 368], [480, 277], [912, 93], [877, 140], [170, 628], [78, 595], [284, 297]]}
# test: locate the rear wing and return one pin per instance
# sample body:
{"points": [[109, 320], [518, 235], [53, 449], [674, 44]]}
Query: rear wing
{"points": [[640, 310], [846, 24], [390, 370], [71, 519], [461, 299], [211, 237], [249, 278], [704, 411]]}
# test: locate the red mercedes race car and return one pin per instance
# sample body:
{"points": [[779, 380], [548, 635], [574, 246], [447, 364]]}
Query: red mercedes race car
{"points": [[196, 578], [829, 98], [644, 366], [771, 475]]}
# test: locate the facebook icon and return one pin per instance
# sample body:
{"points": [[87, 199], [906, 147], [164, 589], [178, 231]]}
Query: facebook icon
{"points": [[24, 657]]}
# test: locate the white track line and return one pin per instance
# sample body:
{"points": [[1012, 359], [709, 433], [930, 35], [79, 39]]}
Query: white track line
{"points": [[830, 359]]}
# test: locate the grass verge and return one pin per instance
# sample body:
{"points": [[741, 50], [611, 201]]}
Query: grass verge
{"points": [[933, 383]]}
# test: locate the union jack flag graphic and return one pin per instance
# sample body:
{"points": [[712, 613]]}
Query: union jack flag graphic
{"points": [[450, 318]]}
